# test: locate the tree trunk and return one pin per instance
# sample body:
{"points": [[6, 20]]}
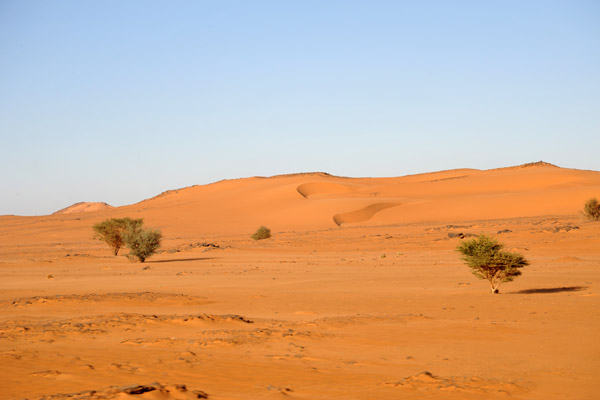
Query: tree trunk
{"points": [[494, 289]]}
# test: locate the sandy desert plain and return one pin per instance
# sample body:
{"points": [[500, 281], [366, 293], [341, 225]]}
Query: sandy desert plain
{"points": [[359, 294]]}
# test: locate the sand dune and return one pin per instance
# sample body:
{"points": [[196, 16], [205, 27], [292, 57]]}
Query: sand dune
{"points": [[83, 207], [359, 293], [322, 188], [301, 202], [363, 214]]}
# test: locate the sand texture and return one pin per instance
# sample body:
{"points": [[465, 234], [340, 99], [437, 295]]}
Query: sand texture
{"points": [[358, 294]]}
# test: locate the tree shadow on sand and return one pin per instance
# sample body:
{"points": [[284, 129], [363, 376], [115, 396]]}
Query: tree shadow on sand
{"points": [[181, 259], [551, 290]]}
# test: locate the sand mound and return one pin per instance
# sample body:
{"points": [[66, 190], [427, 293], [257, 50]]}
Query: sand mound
{"points": [[362, 214], [84, 207]]}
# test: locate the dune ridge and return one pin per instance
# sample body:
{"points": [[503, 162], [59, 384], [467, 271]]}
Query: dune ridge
{"points": [[84, 207], [310, 201]]}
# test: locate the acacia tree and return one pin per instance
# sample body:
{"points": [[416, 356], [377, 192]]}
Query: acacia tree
{"points": [[142, 243], [113, 231], [591, 209], [486, 259]]}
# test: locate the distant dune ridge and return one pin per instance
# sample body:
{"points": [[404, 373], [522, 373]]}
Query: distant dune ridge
{"points": [[84, 207], [308, 201]]}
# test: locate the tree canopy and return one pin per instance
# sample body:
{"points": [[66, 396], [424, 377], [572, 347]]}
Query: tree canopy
{"points": [[486, 259], [113, 231]]}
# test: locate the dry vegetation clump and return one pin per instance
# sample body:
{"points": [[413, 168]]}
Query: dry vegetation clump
{"points": [[261, 233], [591, 209], [486, 259]]}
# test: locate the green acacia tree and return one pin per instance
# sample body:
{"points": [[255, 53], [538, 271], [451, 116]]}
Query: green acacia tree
{"points": [[113, 231], [142, 243], [486, 259]]}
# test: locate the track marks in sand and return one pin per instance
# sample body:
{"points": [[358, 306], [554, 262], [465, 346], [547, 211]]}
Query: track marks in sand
{"points": [[136, 298], [103, 324], [343, 321], [426, 381], [225, 338], [362, 214]]}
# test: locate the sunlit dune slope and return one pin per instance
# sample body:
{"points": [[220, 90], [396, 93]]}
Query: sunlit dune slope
{"points": [[83, 207], [321, 201], [302, 202]]}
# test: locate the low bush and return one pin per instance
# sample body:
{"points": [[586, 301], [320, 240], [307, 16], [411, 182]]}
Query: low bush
{"points": [[142, 243], [261, 233], [591, 209]]}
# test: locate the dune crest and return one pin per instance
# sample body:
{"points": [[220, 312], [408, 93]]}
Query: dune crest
{"points": [[238, 206], [84, 207]]}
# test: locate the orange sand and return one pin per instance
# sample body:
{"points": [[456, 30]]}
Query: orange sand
{"points": [[359, 294]]}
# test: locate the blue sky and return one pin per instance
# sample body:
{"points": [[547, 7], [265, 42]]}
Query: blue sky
{"points": [[117, 101]]}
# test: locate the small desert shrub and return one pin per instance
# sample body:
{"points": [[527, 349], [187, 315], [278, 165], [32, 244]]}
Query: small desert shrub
{"points": [[113, 231], [142, 243], [486, 259], [261, 233], [592, 209]]}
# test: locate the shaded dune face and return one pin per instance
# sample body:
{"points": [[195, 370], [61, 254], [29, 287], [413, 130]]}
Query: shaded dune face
{"points": [[310, 189], [363, 214]]}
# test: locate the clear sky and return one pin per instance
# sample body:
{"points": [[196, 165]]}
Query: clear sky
{"points": [[117, 101]]}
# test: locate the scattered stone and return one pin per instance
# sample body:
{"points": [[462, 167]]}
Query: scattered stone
{"points": [[139, 389], [504, 231], [50, 276], [282, 390], [163, 391], [457, 226], [203, 244], [460, 235], [565, 228]]}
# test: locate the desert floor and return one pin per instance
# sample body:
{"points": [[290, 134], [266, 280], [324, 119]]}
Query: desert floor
{"points": [[387, 311]]}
